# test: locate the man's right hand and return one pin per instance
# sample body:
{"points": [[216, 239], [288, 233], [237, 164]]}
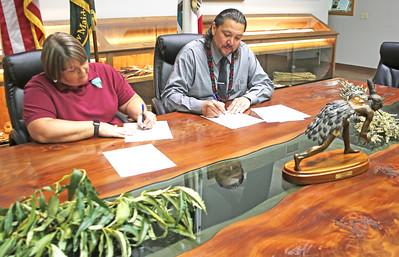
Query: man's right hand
{"points": [[212, 108]]}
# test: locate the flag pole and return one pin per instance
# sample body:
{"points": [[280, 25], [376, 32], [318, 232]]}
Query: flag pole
{"points": [[94, 32]]}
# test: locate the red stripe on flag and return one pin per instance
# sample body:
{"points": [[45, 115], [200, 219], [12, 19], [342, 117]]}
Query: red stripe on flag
{"points": [[16, 29], [200, 24], [35, 10], [5, 38], [24, 26]]}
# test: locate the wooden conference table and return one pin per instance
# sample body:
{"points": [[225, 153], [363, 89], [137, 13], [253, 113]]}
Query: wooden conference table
{"points": [[352, 217]]}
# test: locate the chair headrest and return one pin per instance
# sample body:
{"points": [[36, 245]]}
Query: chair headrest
{"points": [[21, 67], [389, 53], [168, 46]]}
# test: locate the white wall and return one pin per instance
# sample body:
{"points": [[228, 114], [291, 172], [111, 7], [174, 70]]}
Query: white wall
{"points": [[59, 10], [359, 39]]}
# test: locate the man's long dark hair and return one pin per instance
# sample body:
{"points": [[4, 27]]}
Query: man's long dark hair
{"points": [[232, 14]]}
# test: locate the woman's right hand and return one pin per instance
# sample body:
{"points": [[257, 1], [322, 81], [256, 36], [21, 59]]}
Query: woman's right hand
{"points": [[108, 130]]}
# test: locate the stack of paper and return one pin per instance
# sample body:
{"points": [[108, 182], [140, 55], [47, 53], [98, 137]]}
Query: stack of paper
{"points": [[160, 130], [137, 160], [279, 113]]}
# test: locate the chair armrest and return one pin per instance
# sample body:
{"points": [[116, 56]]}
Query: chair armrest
{"points": [[17, 138], [158, 106], [123, 117]]}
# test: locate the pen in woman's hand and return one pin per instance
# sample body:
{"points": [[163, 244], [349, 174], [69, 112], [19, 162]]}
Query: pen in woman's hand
{"points": [[142, 118]]}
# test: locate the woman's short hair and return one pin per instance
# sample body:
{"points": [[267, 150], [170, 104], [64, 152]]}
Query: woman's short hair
{"points": [[58, 49]]}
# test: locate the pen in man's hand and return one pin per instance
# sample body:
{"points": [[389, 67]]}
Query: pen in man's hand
{"points": [[214, 97]]}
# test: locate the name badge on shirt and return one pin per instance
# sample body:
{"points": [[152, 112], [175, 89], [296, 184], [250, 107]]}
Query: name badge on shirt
{"points": [[97, 82]]}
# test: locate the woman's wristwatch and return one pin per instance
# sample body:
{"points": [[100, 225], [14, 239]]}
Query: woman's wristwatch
{"points": [[96, 125]]}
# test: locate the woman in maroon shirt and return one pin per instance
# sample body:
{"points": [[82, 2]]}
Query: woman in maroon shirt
{"points": [[73, 99]]}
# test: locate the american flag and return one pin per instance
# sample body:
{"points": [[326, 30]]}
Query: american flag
{"points": [[21, 26], [189, 17]]}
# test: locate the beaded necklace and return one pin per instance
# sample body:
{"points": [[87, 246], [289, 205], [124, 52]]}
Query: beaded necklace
{"points": [[212, 73]]}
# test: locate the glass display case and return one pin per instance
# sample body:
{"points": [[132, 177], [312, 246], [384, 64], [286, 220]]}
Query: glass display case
{"points": [[292, 48], [127, 44]]}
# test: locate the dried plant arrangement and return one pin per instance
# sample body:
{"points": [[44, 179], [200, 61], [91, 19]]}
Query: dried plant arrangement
{"points": [[85, 225], [384, 126]]}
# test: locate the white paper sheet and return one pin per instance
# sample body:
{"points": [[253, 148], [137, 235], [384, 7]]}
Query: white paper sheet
{"points": [[137, 160], [160, 130], [279, 113], [234, 121]]}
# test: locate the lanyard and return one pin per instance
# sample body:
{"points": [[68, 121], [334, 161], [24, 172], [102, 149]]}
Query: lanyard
{"points": [[212, 73]]}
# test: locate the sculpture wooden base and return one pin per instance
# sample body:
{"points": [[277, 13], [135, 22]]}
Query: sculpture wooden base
{"points": [[325, 167]]}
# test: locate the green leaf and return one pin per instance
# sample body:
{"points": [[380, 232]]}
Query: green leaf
{"points": [[75, 179], [87, 221], [110, 246], [151, 212], [198, 202], [20, 214], [27, 223], [182, 206], [57, 252], [132, 230], [93, 241], [83, 249], [134, 216], [180, 229], [21, 250], [96, 227], [174, 202], [106, 219], [8, 221], [6, 246], [156, 193], [29, 236], [44, 225], [122, 242], [122, 212], [101, 245], [40, 246], [143, 232], [93, 196], [42, 202], [53, 206]]}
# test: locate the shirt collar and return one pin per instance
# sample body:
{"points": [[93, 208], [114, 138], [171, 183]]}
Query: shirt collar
{"points": [[92, 73], [217, 56]]}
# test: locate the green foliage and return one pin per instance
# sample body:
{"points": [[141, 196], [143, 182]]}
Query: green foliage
{"points": [[85, 225], [383, 128]]}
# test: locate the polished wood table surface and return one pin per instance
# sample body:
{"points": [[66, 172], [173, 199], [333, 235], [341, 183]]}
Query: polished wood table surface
{"points": [[196, 142], [352, 217]]}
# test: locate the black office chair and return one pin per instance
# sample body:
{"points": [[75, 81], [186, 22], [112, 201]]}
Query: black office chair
{"points": [[166, 49], [388, 67], [18, 70]]}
